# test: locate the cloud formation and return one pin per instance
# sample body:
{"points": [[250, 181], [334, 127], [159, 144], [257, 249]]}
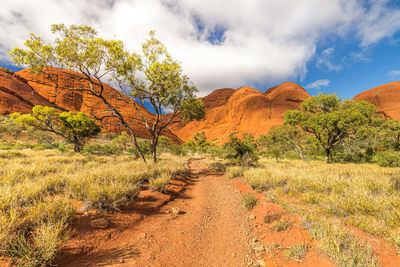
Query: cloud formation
{"points": [[317, 84], [394, 73], [219, 43]]}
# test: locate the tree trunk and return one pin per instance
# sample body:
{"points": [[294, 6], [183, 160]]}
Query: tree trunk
{"points": [[327, 154], [139, 151], [78, 147]]}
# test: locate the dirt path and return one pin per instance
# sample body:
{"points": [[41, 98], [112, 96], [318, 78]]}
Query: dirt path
{"points": [[212, 229]]}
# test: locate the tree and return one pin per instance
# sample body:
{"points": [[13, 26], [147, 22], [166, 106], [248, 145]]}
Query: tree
{"points": [[7, 125], [282, 138], [165, 87], [242, 150], [76, 129], [330, 119], [122, 140], [390, 132], [152, 77]]}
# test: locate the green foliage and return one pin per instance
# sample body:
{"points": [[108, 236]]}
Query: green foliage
{"points": [[144, 146], [244, 150], [11, 155], [74, 128], [8, 126], [39, 136], [332, 120], [122, 140], [249, 201], [198, 143], [151, 76], [282, 225], [106, 149], [387, 158], [284, 138], [177, 150]]}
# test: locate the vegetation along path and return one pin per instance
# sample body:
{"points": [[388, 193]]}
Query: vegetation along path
{"points": [[211, 229]]}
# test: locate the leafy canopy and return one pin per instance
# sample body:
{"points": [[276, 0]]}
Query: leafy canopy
{"points": [[74, 128], [330, 119]]}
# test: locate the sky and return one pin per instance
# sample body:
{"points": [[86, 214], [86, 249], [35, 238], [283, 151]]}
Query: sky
{"points": [[343, 46]]}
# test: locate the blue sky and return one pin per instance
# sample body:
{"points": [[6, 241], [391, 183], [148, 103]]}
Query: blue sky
{"points": [[343, 46]]}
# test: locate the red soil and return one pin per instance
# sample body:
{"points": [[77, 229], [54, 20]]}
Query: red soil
{"points": [[385, 97], [212, 228], [247, 110], [278, 242]]}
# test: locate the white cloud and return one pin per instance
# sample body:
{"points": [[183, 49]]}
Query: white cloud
{"points": [[263, 41], [318, 84], [324, 61], [394, 73]]}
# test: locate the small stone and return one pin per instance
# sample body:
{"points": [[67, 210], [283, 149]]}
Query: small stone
{"points": [[252, 216], [175, 211], [143, 235], [121, 261], [99, 223], [258, 248], [260, 263], [233, 255]]}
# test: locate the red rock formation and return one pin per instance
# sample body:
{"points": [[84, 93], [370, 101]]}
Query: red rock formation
{"points": [[48, 86], [247, 110], [385, 97], [16, 95], [217, 98]]}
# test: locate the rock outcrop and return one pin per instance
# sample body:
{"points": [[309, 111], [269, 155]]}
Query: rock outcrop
{"points": [[246, 110], [50, 87], [385, 97], [16, 95]]}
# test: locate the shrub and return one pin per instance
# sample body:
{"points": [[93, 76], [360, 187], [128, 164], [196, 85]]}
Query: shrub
{"points": [[249, 201], [283, 225], [107, 149], [386, 158], [234, 171], [244, 151], [297, 252], [177, 150], [159, 183], [144, 146], [11, 155]]}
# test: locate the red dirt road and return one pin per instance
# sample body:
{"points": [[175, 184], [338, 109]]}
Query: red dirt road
{"points": [[212, 229]]}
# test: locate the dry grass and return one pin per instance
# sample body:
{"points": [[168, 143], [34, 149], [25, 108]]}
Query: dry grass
{"points": [[36, 189], [362, 195]]}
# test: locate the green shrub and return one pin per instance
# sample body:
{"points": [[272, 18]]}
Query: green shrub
{"points": [[177, 150], [283, 225], [386, 158], [11, 155], [249, 201], [98, 149], [144, 146], [244, 151]]}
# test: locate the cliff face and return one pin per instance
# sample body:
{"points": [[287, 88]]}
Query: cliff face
{"points": [[246, 110], [385, 97], [16, 95], [20, 91]]}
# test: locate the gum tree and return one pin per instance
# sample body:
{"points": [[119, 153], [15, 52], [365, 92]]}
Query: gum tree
{"points": [[99, 61], [165, 87], [331, 120], [76, 129]]}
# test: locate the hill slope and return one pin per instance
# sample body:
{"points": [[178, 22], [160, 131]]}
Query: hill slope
{"points": [[20, 91], [385, 97], [245, 110], [16, 95]]}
